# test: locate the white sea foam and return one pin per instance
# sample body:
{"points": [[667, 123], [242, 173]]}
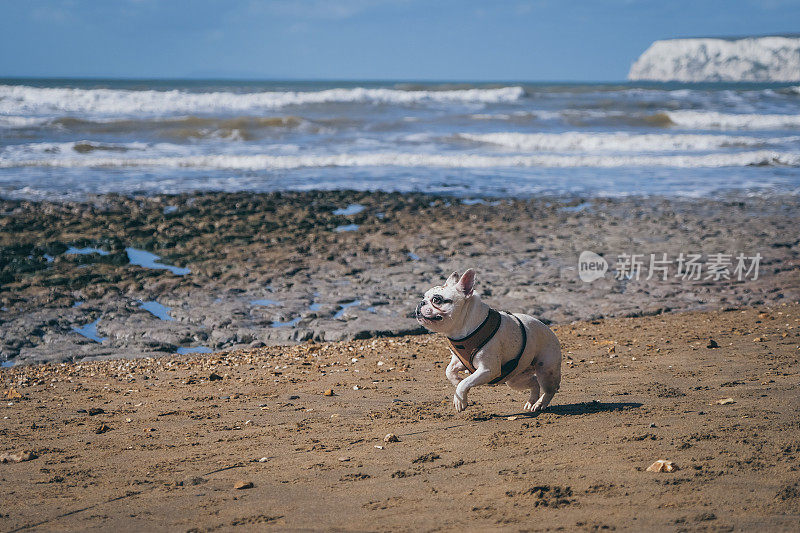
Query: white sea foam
{"points": [[19, 99], [12, 121], [618, 142], [730, 121], [393, 159]]}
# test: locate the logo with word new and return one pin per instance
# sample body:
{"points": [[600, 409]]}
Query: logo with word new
{"points": [[591, 266]]}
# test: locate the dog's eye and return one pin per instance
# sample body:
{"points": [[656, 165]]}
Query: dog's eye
{"points": [[436, 300]]}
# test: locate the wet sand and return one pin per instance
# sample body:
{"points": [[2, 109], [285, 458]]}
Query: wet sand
{"points": [[336, 265], [161, 444]]}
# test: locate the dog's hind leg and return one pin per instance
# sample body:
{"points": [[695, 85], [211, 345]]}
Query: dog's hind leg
{"points": [[526, 381], [549, 378]]}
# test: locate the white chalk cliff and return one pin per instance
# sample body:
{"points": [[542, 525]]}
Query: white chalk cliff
{"points": [[775, 58]]}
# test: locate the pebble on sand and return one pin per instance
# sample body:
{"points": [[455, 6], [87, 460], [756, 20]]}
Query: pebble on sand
{"points": [[329, 392], [17, 457], [241, 485], [712, 344], [12, 394], [725, 401], [662, 465], [391, 437]]}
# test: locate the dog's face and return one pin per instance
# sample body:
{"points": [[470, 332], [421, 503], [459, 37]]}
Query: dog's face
{"points": [[441, 309]]}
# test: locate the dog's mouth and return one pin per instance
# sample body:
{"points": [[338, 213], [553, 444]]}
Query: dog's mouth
{"points": [[420, 316]]}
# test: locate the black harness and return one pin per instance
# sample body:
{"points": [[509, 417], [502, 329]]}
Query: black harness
{"points": [[466, 347]]}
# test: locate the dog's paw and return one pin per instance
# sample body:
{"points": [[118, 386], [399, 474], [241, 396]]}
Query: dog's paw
{"points": [[459, 403], [528, 406]]}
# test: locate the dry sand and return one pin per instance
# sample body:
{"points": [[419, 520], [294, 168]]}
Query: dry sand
{"points": [[173, 441]]}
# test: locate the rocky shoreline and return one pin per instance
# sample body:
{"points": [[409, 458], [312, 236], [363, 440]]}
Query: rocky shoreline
{"points": [[148, 276]]}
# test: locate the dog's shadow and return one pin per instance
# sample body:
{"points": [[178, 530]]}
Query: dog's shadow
{"points": [[581, 408]]}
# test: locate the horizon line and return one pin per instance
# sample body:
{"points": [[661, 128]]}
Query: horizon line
{"points": [[441, 81]]}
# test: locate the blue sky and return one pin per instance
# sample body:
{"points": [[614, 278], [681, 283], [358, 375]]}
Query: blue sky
{"points": [[540, 40]]}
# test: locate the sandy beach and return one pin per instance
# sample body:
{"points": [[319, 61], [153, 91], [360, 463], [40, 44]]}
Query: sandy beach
{"points": [[162, 444], [300, 294]]}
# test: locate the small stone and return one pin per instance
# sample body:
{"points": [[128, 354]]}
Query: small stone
{"points": [[241, 485], [662, 465], [355, 387], [702, 517], [379, 447], [17, 457], [652, 424], [12, 394], [391, 437], [128, 420], [512, 418], [344, 459], [725, 401], [381, 363], [102, 428], [329, 392], [712, 344], [95, 411], [263, 460], [214, 377]]}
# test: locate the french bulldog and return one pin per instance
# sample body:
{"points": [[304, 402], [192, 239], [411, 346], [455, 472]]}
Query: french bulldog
{"points": [[456, 310]]}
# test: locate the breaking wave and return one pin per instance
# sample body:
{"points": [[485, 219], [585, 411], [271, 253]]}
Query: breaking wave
{"points": [[21, 99], [730, 121], [263, 162], [618, 141]]}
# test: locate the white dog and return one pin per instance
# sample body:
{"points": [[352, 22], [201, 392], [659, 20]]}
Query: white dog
{"points": [[494, 347]]}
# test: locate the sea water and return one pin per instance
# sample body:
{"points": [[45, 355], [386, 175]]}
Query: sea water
{"points": [[65, 139]]}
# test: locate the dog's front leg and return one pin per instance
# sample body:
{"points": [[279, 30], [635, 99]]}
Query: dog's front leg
{"points": [[482, 376], [453, 370]]}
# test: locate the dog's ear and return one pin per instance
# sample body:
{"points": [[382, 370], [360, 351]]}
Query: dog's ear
{"points": [[452, 280], [467, 282]]}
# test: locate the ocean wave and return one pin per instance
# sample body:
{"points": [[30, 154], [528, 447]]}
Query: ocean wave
{"points": [[12, 121], [730, 121], [19, 99], [16, 152], [263, 162], [618, 142]]}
